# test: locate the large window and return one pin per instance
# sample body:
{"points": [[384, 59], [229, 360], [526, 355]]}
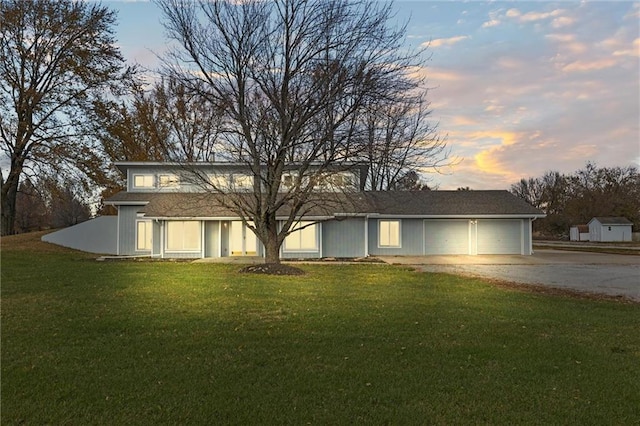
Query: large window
{"points": [[183, 236], [143, 181], [220, 181], [169, 181], [389, 233], [242, 182], [144, 235], [305, 239]]}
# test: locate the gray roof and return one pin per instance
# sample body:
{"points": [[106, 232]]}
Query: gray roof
{"points": [[386, 203], [613, 220]]}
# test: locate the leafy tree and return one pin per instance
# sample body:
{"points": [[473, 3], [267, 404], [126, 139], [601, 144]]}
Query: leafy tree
{"points": [[32, 212], [293, 80], [55, 56], [46, 202], [162, 123], [66, 204]]}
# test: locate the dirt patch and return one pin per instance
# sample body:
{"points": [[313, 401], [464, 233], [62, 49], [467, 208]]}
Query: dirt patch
{"points": [[272, 269], [555, 291]]}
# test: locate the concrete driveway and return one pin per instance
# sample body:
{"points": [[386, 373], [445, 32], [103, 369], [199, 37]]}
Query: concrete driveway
{"points": [[609, 274]]}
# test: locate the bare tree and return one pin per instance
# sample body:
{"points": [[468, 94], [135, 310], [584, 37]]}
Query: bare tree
{"points": [[576, 198], [54, 56], [399, 140], [293, 78]]}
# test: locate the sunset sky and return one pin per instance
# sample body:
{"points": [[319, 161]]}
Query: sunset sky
{"points": [[518, 88]]}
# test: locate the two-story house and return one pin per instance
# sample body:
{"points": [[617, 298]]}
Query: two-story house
{"points": [[165, 212]]}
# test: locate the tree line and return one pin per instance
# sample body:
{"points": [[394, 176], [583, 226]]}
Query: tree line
{"points": [[267, 84], [575, 198]]}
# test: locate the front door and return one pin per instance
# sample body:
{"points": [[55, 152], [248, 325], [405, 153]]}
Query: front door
{"points": [[242, 240]]}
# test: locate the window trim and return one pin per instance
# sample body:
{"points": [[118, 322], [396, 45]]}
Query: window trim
{"points": [[144, 176], [389, 246], [297, 232], [197, 249]]}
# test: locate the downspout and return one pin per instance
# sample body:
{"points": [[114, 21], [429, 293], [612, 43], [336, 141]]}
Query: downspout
{"points": [[320, 245], [118, 232], [531, 234], [153, 239], [366, 236], [203, 246]]}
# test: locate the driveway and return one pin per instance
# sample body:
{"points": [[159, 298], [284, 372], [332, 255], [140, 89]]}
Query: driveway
{"points": [[609, 274]]}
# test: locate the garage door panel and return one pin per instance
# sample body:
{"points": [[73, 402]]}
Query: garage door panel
{"points": [[446, 236], [499, 236]]}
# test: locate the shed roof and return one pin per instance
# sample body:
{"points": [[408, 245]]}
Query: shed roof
{"points": [[612, 220], [582, 228], [386, 203]]}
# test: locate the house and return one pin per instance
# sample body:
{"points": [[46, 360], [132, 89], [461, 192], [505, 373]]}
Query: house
{"points": [[610, 229], [579, 233], [164, 213]]}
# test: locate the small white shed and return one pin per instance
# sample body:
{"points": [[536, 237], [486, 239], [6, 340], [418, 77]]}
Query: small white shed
{"points": [[579, 233], [610, 229]]}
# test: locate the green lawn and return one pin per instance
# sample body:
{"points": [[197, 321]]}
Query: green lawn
{"points": [[87, 342]]}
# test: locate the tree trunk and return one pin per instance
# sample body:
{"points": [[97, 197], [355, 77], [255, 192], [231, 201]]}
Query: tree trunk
{"points": [[272, 245], [9, 195]]}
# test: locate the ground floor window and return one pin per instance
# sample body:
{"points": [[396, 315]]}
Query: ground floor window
{"points": [[183, 236], [389, 233], [144, 232], [303, 238]]}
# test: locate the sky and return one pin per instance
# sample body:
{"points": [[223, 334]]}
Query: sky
{"points": [[517, 88]]}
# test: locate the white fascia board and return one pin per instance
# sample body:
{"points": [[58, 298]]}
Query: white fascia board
{"points": [[192, 218], [126, 203], [307, 218], [458, 216]]}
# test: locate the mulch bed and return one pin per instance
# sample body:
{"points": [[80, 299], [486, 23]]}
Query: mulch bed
{"points": [[272, 269]]}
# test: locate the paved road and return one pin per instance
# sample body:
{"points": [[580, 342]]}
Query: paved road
{"points": [[610, 274]]}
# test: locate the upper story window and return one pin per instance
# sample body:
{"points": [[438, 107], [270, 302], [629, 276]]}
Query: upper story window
{"points": [[219, 181], [288, 180], [169, 181], [242, 182], [336, 181], [143, 181]]}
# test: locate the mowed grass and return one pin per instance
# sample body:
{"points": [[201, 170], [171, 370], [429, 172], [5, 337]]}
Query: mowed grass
{"points": [[91, 343]]}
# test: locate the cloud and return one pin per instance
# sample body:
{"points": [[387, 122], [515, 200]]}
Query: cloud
{"points": [[562, 21], [438, 42], [491, 23], [438, 75], [586, 66], [533, 16]]}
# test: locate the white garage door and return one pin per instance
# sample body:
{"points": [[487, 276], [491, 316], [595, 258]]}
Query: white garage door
{"points": [[446, 236], [497, 236]]}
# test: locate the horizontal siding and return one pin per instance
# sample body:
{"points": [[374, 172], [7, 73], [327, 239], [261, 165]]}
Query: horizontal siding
{"points": [[299, 255], [182, 255]]}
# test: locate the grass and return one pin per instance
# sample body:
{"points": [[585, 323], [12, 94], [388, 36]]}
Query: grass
{"points": [[86, 342]]}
